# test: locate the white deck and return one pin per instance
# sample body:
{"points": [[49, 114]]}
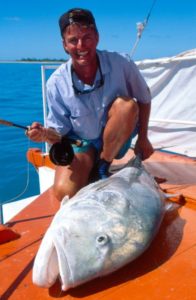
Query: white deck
{"points": [[12, 209]]}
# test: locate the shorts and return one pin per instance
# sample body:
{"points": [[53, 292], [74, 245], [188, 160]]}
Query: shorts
{"points": [[98, 143]]}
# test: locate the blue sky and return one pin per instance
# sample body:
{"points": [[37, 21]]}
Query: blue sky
{"points": [[30, 28]]}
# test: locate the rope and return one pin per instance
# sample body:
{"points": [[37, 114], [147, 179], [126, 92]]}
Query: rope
{"points": [[140, 28]]}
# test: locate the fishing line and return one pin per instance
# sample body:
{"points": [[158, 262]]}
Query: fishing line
{"points": [[27, 173], [26, 128], [27, 182], [7, 123]]}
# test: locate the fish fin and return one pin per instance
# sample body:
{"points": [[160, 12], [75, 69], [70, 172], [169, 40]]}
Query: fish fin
{"points": [[172, 205], [160, 180], [135, 161], [167, 195], [175, 198], [169, 205]]}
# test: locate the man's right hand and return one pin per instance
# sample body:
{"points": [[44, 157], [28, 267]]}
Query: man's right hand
{"points": [[39, 133], [36, 132]]}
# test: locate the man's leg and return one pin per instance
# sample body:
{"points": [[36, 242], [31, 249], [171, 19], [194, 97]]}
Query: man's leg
{"points": [[122, 119], [69, 179]]}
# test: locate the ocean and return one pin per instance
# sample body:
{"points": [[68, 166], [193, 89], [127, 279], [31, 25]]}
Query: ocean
{"points": [[20, 103]]}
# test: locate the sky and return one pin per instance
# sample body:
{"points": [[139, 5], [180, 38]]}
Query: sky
{"points": [[29, 29]]}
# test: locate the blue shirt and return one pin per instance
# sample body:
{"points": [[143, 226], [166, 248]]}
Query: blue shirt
{"points": [[85, 115]]}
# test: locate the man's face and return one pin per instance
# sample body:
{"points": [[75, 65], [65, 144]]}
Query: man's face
{"points": [[80, 42]]}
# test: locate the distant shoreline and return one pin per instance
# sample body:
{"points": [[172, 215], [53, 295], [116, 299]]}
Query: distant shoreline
{"points": [[32, 61]]}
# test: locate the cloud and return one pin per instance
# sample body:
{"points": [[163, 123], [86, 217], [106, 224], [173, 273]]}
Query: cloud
{"points": [[12, 19]]}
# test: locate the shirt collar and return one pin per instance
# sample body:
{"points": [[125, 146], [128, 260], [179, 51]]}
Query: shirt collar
{"points": [[104, 64]]}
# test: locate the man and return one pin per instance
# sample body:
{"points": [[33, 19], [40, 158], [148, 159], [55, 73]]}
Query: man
{"points": [[98, 97]]}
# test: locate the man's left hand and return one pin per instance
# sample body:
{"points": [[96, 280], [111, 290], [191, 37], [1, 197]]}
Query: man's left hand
{"points": [[143, 147]]}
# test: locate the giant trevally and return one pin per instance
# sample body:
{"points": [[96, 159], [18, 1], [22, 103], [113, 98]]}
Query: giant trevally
{"points": [[106, 225]]}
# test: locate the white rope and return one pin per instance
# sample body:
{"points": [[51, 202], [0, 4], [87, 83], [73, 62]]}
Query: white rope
{"points": [[140, 28]]}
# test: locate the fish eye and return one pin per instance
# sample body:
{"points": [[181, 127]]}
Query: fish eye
{"points": [[102, 239]]}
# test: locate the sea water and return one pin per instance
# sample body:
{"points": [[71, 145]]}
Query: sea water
{"points": [[20, 103]]}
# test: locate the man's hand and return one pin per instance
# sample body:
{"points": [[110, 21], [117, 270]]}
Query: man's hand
{"points": [[143, 147], [38, 133]]}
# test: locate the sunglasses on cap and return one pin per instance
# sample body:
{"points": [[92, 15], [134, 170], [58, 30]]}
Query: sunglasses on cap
{"points": [[77, 16]]}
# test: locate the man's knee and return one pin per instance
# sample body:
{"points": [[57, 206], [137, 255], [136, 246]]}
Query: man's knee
{"points": [[62, 188], [125, 107], [68, 180], [59, 190]]}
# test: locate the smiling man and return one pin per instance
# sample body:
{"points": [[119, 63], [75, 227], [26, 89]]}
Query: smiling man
{"points": [[98, 97]]}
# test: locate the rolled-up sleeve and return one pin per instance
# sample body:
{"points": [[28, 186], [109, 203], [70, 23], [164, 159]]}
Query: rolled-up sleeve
{"points": [[136, 82], [58, 113]]}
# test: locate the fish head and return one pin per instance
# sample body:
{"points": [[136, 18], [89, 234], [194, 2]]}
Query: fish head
{"points": [[84, 241], [82, 246]]}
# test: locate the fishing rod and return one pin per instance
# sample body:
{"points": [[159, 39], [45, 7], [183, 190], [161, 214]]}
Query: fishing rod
{"points": [[60, 153], [7, 123]]}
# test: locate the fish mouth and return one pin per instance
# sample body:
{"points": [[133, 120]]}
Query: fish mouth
{"points": [[65, 274], [45, 268]]}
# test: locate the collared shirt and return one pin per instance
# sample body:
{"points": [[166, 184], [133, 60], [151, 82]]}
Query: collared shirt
{"points": [[85, 115]]}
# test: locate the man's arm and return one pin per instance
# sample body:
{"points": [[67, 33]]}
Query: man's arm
{"points": [[143, 145]]}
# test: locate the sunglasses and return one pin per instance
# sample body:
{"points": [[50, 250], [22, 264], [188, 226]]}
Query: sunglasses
{"points": [[99, 83], [79, 18]]}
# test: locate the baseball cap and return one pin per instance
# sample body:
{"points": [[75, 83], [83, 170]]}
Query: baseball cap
{"points": [[76, 15]]}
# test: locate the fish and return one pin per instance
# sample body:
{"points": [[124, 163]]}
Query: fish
{"points": [[106, 225]]}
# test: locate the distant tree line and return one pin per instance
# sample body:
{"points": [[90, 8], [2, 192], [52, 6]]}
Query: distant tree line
{"points": [[42, 59]]}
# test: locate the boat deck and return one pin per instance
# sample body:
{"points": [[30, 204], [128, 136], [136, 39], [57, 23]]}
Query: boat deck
{"points": [[167, 270]]}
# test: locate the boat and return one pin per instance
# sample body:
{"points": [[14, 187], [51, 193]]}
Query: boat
{"points": [[167, 270]]}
